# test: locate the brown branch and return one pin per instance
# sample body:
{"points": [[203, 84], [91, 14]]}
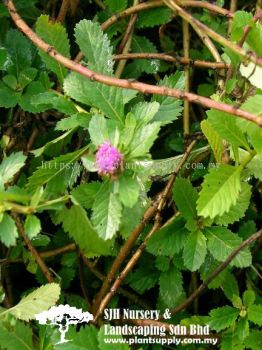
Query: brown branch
{"points": [[124, 83], [176, 59], [233, 8], [186, 49], [50, 253], [216, 272], [132, 262], [249, 56], [63, 11], [32, 249]]}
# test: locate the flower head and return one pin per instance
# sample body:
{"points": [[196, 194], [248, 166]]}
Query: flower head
{"points": [[108, 159]]}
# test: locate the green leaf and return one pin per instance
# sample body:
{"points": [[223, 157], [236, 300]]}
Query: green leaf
{"points": [[142, 44], [222, 317], [8, 231], [79, 227], [111, 342], [116, 5], [54, 169], [85, 194], [95, 45], [240, 20], [128, 190], [242, 329], [169, 240], [19, 337], [102, 129], [3, 57], [32, 226], [254, 313], [143, 140], [226, 126], [10, 166], [214, 139], [220, 191], [185, 197], [48, 100], [254, 39], [8, 98], [55, 35], [254, 340], [153, 17], [144, 112], [37, 301], [221, 242], [249, 298], [107, 211], [19, 49], [107, 98], [171, 286], [194, 250], [254, 166], [237, 211], [143, 279], [75, 121], [170, 108]]}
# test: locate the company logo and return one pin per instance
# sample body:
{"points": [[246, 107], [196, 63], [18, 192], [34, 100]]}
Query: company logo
{"points": [[63, 316]]}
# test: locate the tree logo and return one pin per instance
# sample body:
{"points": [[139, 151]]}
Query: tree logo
{"points": [[63, 316]]}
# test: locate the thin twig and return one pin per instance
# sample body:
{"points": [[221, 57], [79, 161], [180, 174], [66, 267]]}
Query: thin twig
{"points": [[233, 8], [132, 262], [51, 253], [134, 85], [216, 272], [32, 249], [81, 279], [186, 46], [176, 59], [63, 11]]}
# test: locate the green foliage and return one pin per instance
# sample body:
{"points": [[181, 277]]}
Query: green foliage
{"points": [[37, 301], [222, 317], [55, 35], [8, 230], [17, 337], [194, 250], [10, 166], [171, 286]]}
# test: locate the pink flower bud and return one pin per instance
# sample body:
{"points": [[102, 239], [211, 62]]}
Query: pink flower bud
{"points": [[108, 159]]}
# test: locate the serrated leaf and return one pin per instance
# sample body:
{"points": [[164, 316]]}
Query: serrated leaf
{"points": [[254, 340], [102, 129], [194, 250], [144, 112], [107, 212], [54, 169], [185, 197], [48, 100], [32, 226], [220, 190], [226, 126], [85, 194], [143, 140], [249, 298], [254, 166], [237, 211], [74, 121], [240, 20], [169, 240], [221, 242], [107, 98], [37, 301], [79, 227], [222, 317], [214, 139], [153, 17], [95, 45], [8, 231], [171, 286], [8, 98], [10, 166], [116, 5], [170, 108], [128, 190], [142, 44], [143, 279], [19, 337], [254, 314], [19, 49], [55, 35]]}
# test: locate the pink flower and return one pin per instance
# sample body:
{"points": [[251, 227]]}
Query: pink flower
{"points": [[108, 159]]}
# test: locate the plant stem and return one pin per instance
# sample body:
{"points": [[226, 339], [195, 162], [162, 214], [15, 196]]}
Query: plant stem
{"points": [[124, 83], [186, 45]]}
